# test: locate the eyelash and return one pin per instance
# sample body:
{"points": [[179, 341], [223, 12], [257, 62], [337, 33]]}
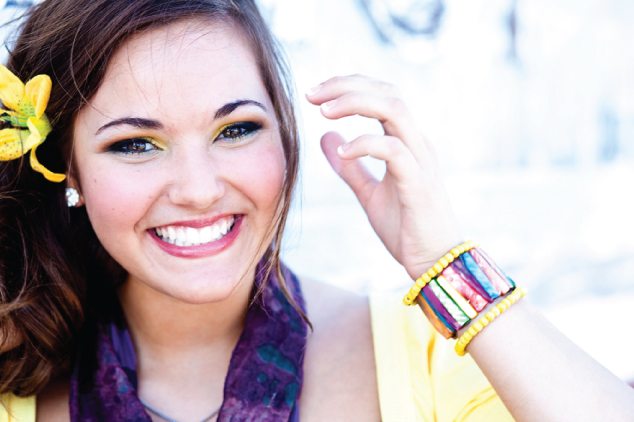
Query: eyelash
{"points": [[230, 134], [121, 147], [236, 131]]}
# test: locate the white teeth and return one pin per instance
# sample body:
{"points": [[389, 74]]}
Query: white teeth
{"points": [[192, 236], [171, 234], [205, 235], [189, 236]]}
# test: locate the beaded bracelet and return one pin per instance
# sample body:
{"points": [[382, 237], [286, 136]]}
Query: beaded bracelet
{"points": [[458, 287], [436, 269], [478, 326]]}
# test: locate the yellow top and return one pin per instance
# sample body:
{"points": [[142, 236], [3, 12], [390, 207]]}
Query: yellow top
{"points": [[17, 409], [419, 375]]}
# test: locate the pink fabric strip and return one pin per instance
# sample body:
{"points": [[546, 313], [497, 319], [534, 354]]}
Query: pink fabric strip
{"points": [[494, 277], [497, 269], [464, 274], [460, 284]]}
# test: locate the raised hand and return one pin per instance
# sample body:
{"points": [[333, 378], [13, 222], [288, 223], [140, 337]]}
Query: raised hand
{"points": [[408, 207]]}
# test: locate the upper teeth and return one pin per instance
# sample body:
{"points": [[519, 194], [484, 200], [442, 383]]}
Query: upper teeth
{"points": [[189, 236]]}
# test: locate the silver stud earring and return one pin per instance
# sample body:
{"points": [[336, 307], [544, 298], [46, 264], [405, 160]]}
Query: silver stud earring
{"points": [[72, 197]]}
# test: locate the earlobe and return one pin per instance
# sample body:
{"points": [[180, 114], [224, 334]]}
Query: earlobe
{"points": [[74, 199]]}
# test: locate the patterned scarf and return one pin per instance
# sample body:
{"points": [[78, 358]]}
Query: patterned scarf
{"points": [[265, 372]]}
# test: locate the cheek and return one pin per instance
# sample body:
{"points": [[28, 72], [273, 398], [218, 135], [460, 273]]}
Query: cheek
{"points": [[114, 200], [260, 175]]}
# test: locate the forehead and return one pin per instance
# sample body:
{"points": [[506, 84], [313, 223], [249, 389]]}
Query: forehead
{"points": [[189, 64]]}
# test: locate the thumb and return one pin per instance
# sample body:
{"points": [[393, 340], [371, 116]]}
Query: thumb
{"points": [[351, 171]]}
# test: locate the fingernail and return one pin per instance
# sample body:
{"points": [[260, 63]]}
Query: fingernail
{"points": [[313, 90], [341, 149], [327, 106]]}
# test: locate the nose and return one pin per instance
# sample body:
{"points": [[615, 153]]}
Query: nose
{"points": [[197, 182]]}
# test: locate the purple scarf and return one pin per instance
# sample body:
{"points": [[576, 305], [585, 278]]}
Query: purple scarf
{"points": [[265, 372]]}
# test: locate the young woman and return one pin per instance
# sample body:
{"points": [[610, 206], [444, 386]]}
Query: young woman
{"points": [[143, 281]]}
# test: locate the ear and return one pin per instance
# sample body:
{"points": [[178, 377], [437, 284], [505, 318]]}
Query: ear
{"points": [[74, 197]]}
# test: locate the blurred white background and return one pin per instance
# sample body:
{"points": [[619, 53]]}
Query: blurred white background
{"points": [[530, 105]]}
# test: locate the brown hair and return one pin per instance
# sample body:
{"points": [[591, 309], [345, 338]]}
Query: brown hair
{"points": [[48, 252]]}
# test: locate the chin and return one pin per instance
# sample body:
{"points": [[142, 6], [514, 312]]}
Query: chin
{"points": [[212, 292]]}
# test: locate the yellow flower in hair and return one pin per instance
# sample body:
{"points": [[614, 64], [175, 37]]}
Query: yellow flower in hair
{"points": [[23, 119]]}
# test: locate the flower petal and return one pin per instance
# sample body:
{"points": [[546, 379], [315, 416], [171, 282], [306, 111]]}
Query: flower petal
{"points": [[11, 145], [38, 91], [48, 175], [39, 128], [11, 88]]}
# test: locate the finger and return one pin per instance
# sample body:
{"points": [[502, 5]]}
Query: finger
{"points": [[351, 171], [398, 159], [391, 112], [339, 85]]}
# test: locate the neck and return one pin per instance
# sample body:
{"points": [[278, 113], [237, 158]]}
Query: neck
{"points": [[183, 350], [158, 322]]}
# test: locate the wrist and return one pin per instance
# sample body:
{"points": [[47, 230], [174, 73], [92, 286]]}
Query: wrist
{"points": [[440, 249], [462, 293]]}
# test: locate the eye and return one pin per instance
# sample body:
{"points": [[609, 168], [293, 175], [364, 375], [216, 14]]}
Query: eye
{"points": [[133, 146], [237, 131]]}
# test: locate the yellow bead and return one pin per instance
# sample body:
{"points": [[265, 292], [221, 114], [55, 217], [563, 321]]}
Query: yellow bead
{"points": [[431, 272], [478, 325], [426, 278], [443, 262], [438, 267], [496, 311], [455, 252], [420, 283]]}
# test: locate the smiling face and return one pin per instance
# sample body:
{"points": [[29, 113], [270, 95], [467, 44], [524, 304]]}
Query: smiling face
{"points": [[179, 161]]}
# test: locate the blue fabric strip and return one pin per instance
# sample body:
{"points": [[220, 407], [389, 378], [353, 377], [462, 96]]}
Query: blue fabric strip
{"points": [[480, 277]]}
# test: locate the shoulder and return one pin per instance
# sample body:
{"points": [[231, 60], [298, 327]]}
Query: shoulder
{"points": [[52, 403], [341, 319], [340, 376], [325, 302]]}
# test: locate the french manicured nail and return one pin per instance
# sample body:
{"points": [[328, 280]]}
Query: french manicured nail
{"points": [[314, 90], [327, 106]]}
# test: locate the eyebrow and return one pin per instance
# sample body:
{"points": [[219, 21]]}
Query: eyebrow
{"points": [[228, 108], [142, 123]]}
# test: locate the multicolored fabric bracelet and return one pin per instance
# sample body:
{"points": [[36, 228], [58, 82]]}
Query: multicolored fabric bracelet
{"points": [[478, 326], [458, 287]]}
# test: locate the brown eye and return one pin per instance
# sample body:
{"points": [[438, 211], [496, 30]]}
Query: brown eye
{"points": [[238, 131], [133, 146]]}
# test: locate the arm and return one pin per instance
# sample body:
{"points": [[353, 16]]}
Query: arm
{"points": [[538, 373], [541, 375]]}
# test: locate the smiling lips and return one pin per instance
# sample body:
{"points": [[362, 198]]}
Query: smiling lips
{"points": [[191, 236], [183, 240]]}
